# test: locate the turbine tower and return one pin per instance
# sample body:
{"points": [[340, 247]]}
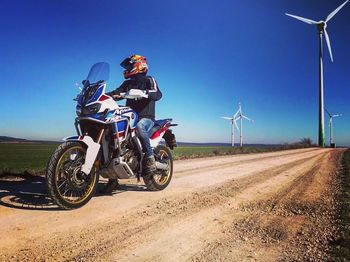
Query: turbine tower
{"points": [[237, 116], [233, 122], [331, 127], [321, 26], [240, 116]]}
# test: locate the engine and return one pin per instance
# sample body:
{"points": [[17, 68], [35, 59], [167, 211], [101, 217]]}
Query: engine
{"points": [[130, 157]]}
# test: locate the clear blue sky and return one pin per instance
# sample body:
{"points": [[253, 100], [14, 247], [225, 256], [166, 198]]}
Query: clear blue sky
{"points": [[206, 56]]}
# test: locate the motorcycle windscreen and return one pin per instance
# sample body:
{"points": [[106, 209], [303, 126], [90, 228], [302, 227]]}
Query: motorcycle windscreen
{"points": [[98, 72]]}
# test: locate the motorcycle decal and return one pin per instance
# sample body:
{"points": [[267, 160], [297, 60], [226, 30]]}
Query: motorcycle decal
{"points": [[132, 116], [110, 114], [97, 94], [121, 125], [160, 131], [103, 98], [123, 111]]}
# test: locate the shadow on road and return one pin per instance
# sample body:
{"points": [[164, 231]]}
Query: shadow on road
{"points": [[25, 191], [121, 188]]}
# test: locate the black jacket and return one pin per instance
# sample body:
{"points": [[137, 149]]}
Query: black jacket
{"points": [[145, 107]]}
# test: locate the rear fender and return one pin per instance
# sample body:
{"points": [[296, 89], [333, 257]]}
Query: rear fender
{"points": [[91, 152], [155, 141], [167, 135]]}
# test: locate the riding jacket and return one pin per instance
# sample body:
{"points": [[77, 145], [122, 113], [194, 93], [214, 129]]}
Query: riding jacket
{"points": [[145, 107]]}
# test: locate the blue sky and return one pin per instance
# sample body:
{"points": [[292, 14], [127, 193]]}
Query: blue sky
{"points": [[206, 56]]}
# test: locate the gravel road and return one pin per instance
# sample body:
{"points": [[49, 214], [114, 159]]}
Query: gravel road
{"points": [[278, 206]]}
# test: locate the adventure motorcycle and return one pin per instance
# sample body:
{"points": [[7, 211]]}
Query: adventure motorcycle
{"points": [[106, 145]]}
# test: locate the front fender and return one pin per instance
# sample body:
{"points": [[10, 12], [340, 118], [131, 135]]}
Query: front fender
{"points": [[91, 152]]}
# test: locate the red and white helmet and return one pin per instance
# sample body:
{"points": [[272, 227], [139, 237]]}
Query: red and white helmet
{"points": [[134, 65]]}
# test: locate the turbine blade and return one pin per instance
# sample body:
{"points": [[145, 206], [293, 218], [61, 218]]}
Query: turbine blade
{"points": [[328, 44], [247, 118], [329, 17], [225, 117], [328, 113], [337, 115], [305, 20], [236, 125]]}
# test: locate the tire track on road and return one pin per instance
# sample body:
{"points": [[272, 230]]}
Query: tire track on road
{"points": [[229, 160], [171, 211], [284, 225]]}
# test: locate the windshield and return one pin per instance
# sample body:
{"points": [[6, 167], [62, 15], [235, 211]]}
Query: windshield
{"points": [[98, 72], [93, 84]]}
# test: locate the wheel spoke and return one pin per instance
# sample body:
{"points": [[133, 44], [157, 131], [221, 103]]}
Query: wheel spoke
{"points": [[66, 189], [80, 192], [63, 183], [70, 183]]}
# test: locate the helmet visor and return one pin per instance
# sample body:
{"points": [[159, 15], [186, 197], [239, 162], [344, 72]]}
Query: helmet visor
{"points": [[127, 64]]}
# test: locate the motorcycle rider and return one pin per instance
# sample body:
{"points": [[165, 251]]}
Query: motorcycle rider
{"points": [[135, 73]]}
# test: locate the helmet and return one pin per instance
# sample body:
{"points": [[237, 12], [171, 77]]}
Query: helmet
{"points": [[134, 65]]}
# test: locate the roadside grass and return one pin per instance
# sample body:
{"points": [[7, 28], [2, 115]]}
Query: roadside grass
{"points": [[199, 151], [342, 246], [19, 158], [185, 152], [16, 158]]}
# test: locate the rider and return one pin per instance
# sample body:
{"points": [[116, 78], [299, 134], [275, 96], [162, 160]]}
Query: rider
{"points": [[135, 72]]}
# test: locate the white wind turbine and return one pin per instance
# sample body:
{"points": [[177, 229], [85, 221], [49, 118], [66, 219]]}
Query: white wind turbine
{"points": [[321, 26], [240, 116], [237, 116], [233, 122], [331, 126]]}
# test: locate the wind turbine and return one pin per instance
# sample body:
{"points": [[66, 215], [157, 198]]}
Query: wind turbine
{"points": [[233, 122], [321, 26], [237, 116], [240, 116], [331, 126]]}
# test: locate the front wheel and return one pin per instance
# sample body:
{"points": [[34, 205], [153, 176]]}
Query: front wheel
{"points": [[161, 178], [68, 187]]}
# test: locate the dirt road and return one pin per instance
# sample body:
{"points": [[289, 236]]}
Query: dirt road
{"points": [[260, 207]]}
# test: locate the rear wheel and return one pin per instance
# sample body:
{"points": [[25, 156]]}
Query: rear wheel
{"points": [[161, 178], [69, 187]]}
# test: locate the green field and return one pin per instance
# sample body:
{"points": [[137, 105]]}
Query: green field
{"points": [[17, 158], [201, 151], [21, 157]]}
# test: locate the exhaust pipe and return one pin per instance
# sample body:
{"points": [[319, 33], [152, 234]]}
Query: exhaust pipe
{"points": [[162, 166]]}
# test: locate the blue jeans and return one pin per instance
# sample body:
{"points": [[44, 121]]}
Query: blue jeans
{"points": [[142, 129]]}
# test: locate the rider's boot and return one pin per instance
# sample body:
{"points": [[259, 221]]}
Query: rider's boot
{"points": [[150, 165]]}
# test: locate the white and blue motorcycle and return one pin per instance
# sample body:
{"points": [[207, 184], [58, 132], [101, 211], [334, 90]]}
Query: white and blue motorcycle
{"points": [[106, 145]]}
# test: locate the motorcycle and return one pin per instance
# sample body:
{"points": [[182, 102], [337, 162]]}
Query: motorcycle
{"points": [[106, 145]]}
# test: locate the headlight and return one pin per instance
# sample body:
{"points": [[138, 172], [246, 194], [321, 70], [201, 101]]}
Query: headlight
{"points": [[78, 110], [93, 109]]}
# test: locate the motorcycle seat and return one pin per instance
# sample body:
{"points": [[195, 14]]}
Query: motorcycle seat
{"points": [[158, 124]]}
